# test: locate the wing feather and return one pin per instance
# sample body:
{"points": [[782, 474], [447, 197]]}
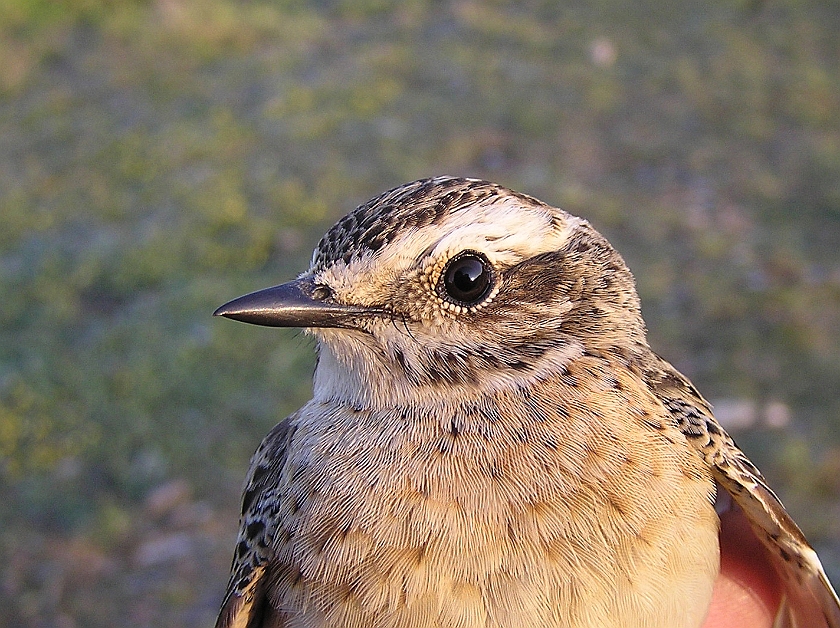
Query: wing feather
{"points": [[809, 600], [245, 604]]}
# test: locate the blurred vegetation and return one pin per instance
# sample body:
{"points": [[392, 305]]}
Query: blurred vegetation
{"points": [[158, 157]]}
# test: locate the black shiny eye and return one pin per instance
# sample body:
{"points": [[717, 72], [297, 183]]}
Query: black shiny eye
{"points": [[467, 278]]}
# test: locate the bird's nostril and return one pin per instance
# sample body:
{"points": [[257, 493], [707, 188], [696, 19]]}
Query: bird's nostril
{"points": [[321, 293]]}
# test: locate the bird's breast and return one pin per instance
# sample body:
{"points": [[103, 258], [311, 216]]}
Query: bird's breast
{"points": [[558, 506]]}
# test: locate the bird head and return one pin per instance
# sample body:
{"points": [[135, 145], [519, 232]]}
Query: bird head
{"points": [[446, 286]]}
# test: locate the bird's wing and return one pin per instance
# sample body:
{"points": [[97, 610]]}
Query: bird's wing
{"points": [[809, 601], [245, 604]]}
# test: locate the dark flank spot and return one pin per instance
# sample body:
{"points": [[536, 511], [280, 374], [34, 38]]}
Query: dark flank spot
{"points": [[346, 223], [258, 474], [248, 498], [243, 583], [253, 488], [242, 548], [785, 556], [454, 430], [254, 529], [550, 443]]}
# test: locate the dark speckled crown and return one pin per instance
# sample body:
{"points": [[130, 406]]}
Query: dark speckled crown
{"points": [[374, 224]]}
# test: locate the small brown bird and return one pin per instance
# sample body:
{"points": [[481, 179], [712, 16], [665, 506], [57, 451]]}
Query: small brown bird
{"points": [[491, 441]]}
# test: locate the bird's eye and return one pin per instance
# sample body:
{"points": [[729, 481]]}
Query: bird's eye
{"points": [[467, 279]]}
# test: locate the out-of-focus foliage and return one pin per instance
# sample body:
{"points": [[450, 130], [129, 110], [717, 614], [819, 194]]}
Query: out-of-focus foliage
{"points": [[160, 157]]}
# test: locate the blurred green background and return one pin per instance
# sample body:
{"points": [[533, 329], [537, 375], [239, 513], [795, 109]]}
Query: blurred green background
{"points": [[158, 158]]}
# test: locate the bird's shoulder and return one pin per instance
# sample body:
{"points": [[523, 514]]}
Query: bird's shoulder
{"points": [[809, 599], [244, 604]]}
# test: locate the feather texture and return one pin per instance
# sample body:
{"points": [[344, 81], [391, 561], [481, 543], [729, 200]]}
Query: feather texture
{"points": [[491, 441]]}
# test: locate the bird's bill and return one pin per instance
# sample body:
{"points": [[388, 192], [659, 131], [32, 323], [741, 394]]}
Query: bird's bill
{"points": [[292, 304]]}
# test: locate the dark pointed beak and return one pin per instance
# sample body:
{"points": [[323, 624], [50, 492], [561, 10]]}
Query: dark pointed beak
{"points": [[298, 303]]}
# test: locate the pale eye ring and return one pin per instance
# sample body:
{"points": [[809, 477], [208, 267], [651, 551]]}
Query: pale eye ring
{"points": [[466, 279]]}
